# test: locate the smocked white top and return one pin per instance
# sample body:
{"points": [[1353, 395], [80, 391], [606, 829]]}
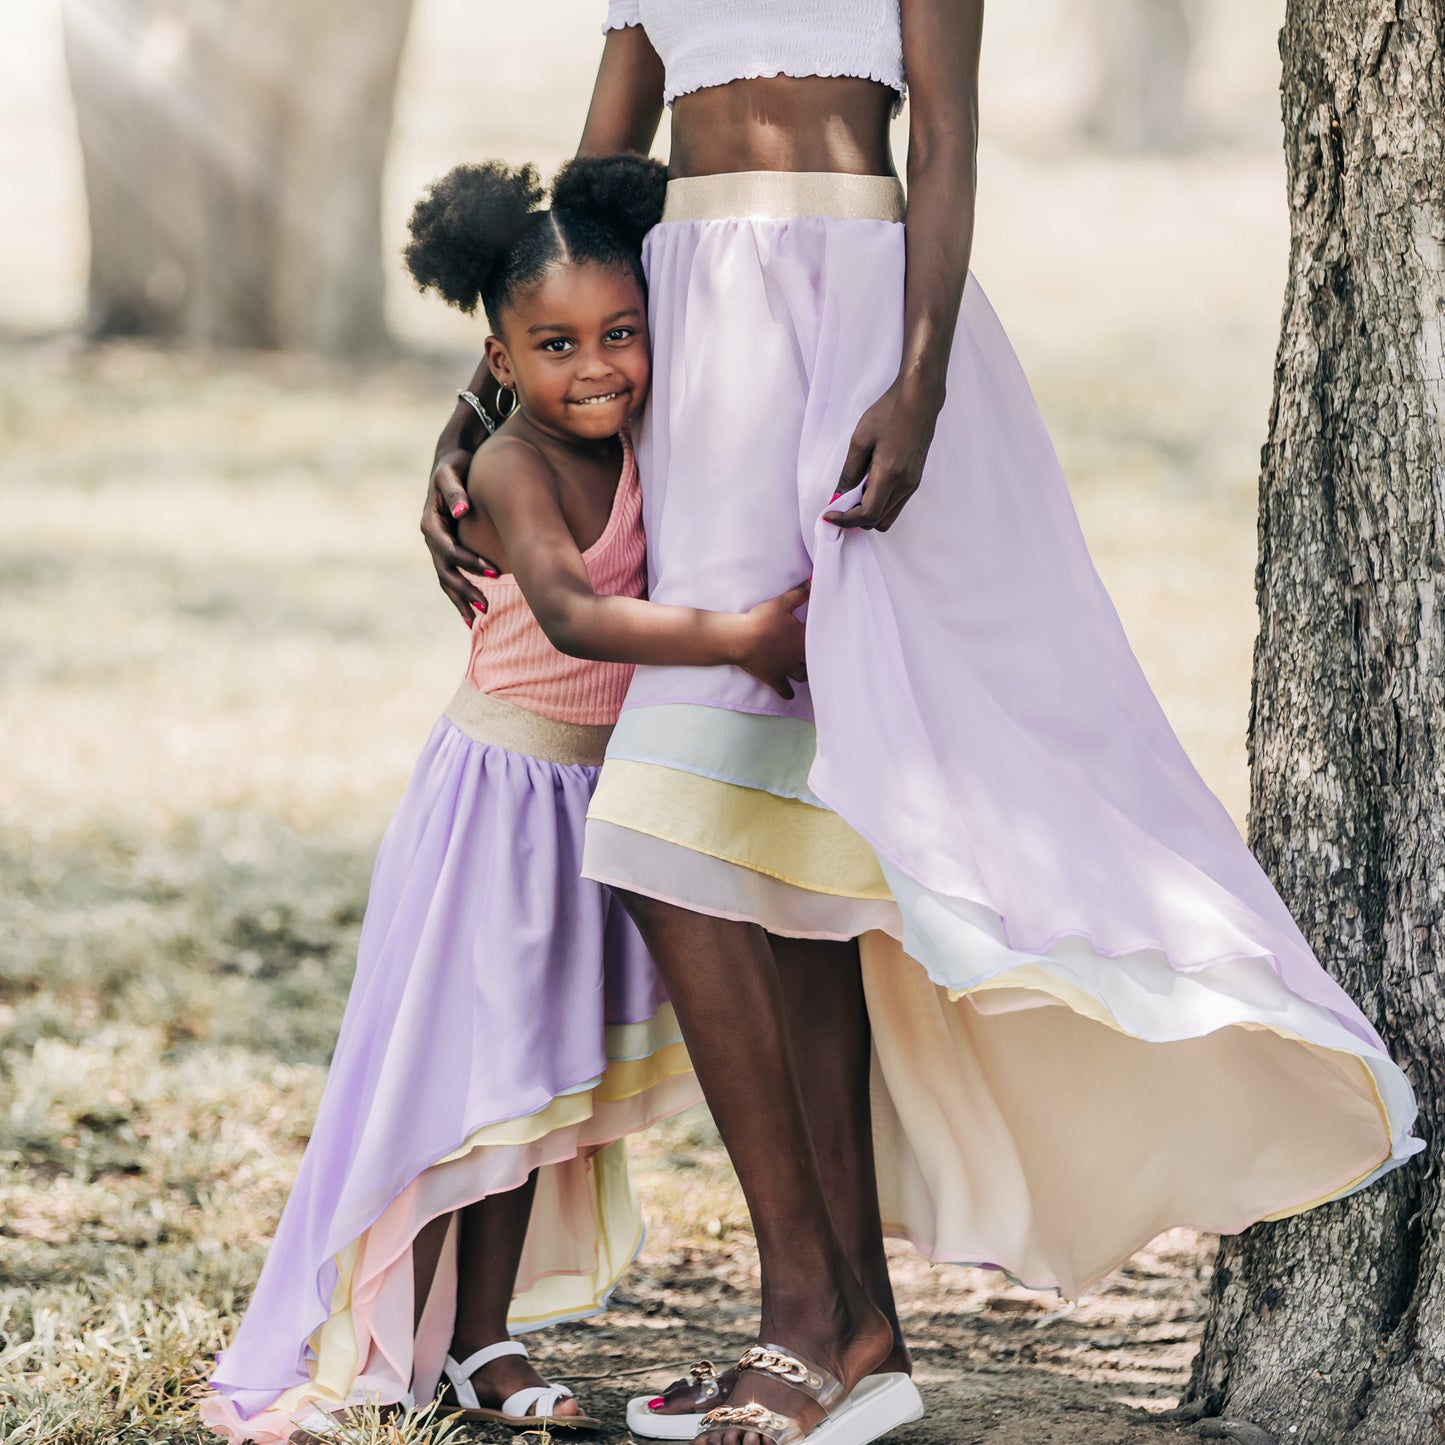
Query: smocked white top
{"points": [[703, 44]]}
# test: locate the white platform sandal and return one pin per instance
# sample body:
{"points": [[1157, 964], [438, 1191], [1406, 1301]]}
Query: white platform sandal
{"points": [[878, 1404], [885, 1401], [528, 1409]]}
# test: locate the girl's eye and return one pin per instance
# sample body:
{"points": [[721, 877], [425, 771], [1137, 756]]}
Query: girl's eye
{"points": [[619, 333], [556, 345]]}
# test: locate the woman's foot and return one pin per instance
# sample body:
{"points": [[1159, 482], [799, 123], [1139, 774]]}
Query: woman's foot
{"points": [[705, 1388], [851, 1343], [499, 1379], [691, 1396]]}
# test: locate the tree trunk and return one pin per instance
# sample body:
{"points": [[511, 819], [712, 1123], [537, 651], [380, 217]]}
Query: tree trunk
{"points": [[1332, 1325], [233, 157], [1139, 55]]}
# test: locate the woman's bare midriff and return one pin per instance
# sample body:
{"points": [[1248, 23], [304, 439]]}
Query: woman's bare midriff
{"points": [[782, 123]]}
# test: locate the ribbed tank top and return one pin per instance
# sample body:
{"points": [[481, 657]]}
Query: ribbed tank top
{"points": [[724, 40], [511, 657]]}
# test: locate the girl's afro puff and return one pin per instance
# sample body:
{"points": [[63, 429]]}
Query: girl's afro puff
{"points": [[477, 235], [466, 224], [623, 192]]}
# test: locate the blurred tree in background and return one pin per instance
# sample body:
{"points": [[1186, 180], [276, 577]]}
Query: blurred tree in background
{"points": [[233, 154], [1329, 1329], [1139, 54]]}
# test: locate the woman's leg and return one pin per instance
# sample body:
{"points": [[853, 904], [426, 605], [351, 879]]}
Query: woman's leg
{"points": [[725, 987], [833, 1046], [490, 1236]]}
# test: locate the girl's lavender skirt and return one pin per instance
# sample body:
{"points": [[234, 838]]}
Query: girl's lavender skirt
{"points": [[1093, 1017], [504, 1017]]}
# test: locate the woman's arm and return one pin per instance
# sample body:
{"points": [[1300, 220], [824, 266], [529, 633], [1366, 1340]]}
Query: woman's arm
{"points": [[515, 485], [941, 44], [447, 500], [626, 98]]}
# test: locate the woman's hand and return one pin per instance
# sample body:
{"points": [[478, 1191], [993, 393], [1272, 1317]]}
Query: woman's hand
{"points": [[447, 501], [941, 42], [888, 450], [772, 641]]}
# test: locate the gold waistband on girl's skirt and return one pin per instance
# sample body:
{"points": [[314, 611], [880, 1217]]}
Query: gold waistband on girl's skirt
{"points": [[489, 719]]}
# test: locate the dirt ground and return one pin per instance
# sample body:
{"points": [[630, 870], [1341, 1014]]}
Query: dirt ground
{"points": [[221, 647], [996, 1365]]}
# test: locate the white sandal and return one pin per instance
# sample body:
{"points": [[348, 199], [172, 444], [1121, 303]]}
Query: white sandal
{"points": [[528, 1409], [890, 1397], [876, 1405]]}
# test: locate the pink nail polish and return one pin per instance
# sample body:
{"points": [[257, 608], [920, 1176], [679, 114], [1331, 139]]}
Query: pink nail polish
{"points": [[490, 572], [656, 1403], [835, 496], [460, 510]]}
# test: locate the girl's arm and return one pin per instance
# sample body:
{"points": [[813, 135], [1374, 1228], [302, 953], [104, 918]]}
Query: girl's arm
{"points": [[941, 44], [516, 486], [624, 115]]}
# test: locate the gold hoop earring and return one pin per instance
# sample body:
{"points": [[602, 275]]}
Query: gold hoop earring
{"points": [[504, 391]]}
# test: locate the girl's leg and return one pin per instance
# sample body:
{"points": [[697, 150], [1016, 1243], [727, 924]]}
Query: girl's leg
{"points": [[490, 1235], [724, 985]]}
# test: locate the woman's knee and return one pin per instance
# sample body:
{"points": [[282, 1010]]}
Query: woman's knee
{"points": [[658, 920]]}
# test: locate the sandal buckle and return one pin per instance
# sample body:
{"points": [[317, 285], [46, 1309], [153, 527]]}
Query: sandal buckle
{"points": [[704, 1378]]}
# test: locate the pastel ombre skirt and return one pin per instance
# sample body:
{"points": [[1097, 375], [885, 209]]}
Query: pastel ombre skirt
{"points": [[1093, 1017], [505, 1017]]}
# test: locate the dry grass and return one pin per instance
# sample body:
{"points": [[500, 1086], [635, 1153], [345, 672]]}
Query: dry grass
{"points": [[220, 647]]}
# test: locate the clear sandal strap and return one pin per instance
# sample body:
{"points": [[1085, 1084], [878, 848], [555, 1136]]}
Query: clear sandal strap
{"points": [[792, 1369], [777, 1428]]}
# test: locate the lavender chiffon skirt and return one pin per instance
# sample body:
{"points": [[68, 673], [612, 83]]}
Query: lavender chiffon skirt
{"points": [[1093, 1017], [504, 1017]]}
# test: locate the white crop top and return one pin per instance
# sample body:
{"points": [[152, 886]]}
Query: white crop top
{"points": [[703, 44]]}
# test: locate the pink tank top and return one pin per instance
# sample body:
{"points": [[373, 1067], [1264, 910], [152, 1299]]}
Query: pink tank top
{"points": [[511, 658]]}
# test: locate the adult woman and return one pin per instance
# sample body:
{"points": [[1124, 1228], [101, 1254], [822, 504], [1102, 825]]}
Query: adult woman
{"points": [[1067, 954]]}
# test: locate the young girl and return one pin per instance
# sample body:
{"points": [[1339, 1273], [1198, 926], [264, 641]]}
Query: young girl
{"points": [[505, 1029]]}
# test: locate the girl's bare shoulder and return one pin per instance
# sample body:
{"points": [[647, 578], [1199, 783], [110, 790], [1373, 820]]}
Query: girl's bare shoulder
{"points": [[509, 461]]}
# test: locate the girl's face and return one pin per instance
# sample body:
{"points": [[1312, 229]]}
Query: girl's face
{"points": [[575, 347]]}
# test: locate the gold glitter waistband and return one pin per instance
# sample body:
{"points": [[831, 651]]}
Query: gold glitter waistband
{"points": [[779, 195], [489, 719]]}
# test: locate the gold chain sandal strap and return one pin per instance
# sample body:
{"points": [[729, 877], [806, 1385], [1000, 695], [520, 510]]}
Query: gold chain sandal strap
{"points": [[784, 1365], [704, 1380], [777, 1428]]}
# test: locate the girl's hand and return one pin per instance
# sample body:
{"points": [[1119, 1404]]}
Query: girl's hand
{"points": [[772, 643], [888, 449]]}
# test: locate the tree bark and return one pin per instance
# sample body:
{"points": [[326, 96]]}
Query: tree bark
{"points": [[233, 157], [1332, 1325], [1139, 57]]}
